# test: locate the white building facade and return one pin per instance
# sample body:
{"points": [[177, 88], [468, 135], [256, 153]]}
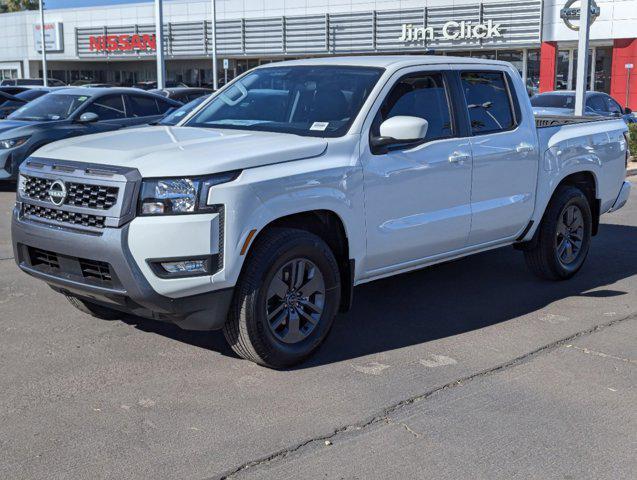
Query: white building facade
{"points": [[116, 44]]}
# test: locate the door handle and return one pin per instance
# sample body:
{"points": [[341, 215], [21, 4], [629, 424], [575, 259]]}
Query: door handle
{"points": [[524, 148], [459, 157]]}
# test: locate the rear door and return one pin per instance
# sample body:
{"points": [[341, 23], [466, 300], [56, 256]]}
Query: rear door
{"points": [[505, 153]]}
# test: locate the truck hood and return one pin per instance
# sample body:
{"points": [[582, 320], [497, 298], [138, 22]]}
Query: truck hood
{"points": [[184, 151]]}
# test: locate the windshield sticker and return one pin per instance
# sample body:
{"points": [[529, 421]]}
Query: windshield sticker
{"points": [[55, 117], [81, 99], [319, 126]]}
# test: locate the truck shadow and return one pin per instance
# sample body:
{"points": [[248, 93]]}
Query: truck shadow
{"points": [[449, 299]]}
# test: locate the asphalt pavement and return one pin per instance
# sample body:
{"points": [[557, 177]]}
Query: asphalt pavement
{"points": [[470, 369]]}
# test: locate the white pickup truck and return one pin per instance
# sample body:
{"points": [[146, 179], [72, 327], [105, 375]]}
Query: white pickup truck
{"points": [[266, 205]]}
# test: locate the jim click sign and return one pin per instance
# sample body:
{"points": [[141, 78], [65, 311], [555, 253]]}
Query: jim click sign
{"points": [[122, 43]]}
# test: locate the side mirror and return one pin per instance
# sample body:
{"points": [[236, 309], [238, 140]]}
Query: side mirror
{"points": [[628, 111], [401, 129], [88, 117]]}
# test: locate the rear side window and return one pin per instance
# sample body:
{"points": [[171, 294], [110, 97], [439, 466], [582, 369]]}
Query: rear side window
{"points": [[142, 106], [488, 101], [419, 95], [163, 105], [597, 103], [108, 108]]}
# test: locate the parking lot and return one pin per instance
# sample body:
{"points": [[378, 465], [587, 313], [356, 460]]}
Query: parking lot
{"points": [[470, 369]]}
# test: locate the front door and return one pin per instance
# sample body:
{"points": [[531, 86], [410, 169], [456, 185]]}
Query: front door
{"points": [[417, 198]]}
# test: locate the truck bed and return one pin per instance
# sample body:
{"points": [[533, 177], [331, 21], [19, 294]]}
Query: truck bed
{"points": [[543, 121]]}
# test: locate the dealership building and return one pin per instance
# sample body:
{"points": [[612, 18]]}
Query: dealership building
{"points": [[116, 44]]}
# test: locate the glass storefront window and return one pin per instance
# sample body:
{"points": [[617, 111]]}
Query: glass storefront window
{"points": [[533, 71], [562, 76], [588, 70], [603, 61]]}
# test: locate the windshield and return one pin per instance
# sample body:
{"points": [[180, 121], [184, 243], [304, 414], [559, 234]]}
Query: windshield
{"points": [[553, 101], [320, 101], [176, 116], [50, 107]]}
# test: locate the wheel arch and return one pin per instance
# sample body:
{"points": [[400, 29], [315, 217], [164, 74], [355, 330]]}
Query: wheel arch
{"points": [[330, 227], [586, 181]]}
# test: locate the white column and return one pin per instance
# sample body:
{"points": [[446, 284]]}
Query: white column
{"points": [[591, 85], [525, 65], [582, 56], [42, 39], [569, 80], [215, 74], [159, 40]]}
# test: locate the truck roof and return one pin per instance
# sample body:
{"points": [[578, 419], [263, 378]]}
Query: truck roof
{"points": [[386, 61]]}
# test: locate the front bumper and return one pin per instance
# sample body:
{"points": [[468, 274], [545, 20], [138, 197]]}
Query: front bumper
{"points": [[101, 268], [622, 198], [8, 168]]}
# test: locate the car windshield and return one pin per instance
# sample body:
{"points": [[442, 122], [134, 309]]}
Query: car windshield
{"points": [[553, 101], [176, 116], [319, 101], [50, 107]]}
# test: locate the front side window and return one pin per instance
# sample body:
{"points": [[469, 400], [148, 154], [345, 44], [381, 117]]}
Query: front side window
{"points": [[50, 107], [108, 108], [306, 100], [421, 95], [488, 101]]}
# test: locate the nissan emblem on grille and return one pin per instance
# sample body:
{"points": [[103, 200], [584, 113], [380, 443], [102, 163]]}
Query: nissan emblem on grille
{"points": [[57, 192]]}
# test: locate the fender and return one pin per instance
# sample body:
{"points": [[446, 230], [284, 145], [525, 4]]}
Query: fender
{"points": [[266, 194]]}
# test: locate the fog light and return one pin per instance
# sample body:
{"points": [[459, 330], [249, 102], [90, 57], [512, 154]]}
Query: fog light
{"points": [[186, 266], [183, 267]]}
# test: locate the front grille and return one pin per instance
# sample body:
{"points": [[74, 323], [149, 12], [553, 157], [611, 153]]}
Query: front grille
{"points": [[73, 218], [96, 269], [99, 197]]}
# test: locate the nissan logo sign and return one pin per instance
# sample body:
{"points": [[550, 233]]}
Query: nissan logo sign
{"points": [[57, 192]]}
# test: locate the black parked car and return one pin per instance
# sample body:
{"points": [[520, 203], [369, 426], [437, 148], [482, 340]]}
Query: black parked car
{"points": [[52, 82], [152, 85], [71, 112], [183, 94], [10, 103], [562, 102]]}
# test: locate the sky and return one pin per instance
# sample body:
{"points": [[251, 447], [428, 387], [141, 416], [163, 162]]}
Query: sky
{"points": [[51, 4]]}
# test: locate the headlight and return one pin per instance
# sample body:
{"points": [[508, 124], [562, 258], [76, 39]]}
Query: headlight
{"points": [[13, 142], [177, 196]]}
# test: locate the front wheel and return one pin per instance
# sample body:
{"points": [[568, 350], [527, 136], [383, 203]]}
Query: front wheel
{"points": [[286, 299], [564, 236]]}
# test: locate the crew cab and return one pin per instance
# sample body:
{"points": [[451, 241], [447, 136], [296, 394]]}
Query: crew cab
{"points": [[262, 209]]}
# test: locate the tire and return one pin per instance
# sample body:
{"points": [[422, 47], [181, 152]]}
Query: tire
{"points": [[269, 318], [94, 310], [548, 257]]}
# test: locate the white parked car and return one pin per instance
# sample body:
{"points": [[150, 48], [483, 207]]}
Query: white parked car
{"points": [[267, 204]]}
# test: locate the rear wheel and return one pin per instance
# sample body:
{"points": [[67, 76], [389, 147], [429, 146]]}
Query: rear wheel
{"points": [[286, 299], [564, 236], [93, 309]]}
